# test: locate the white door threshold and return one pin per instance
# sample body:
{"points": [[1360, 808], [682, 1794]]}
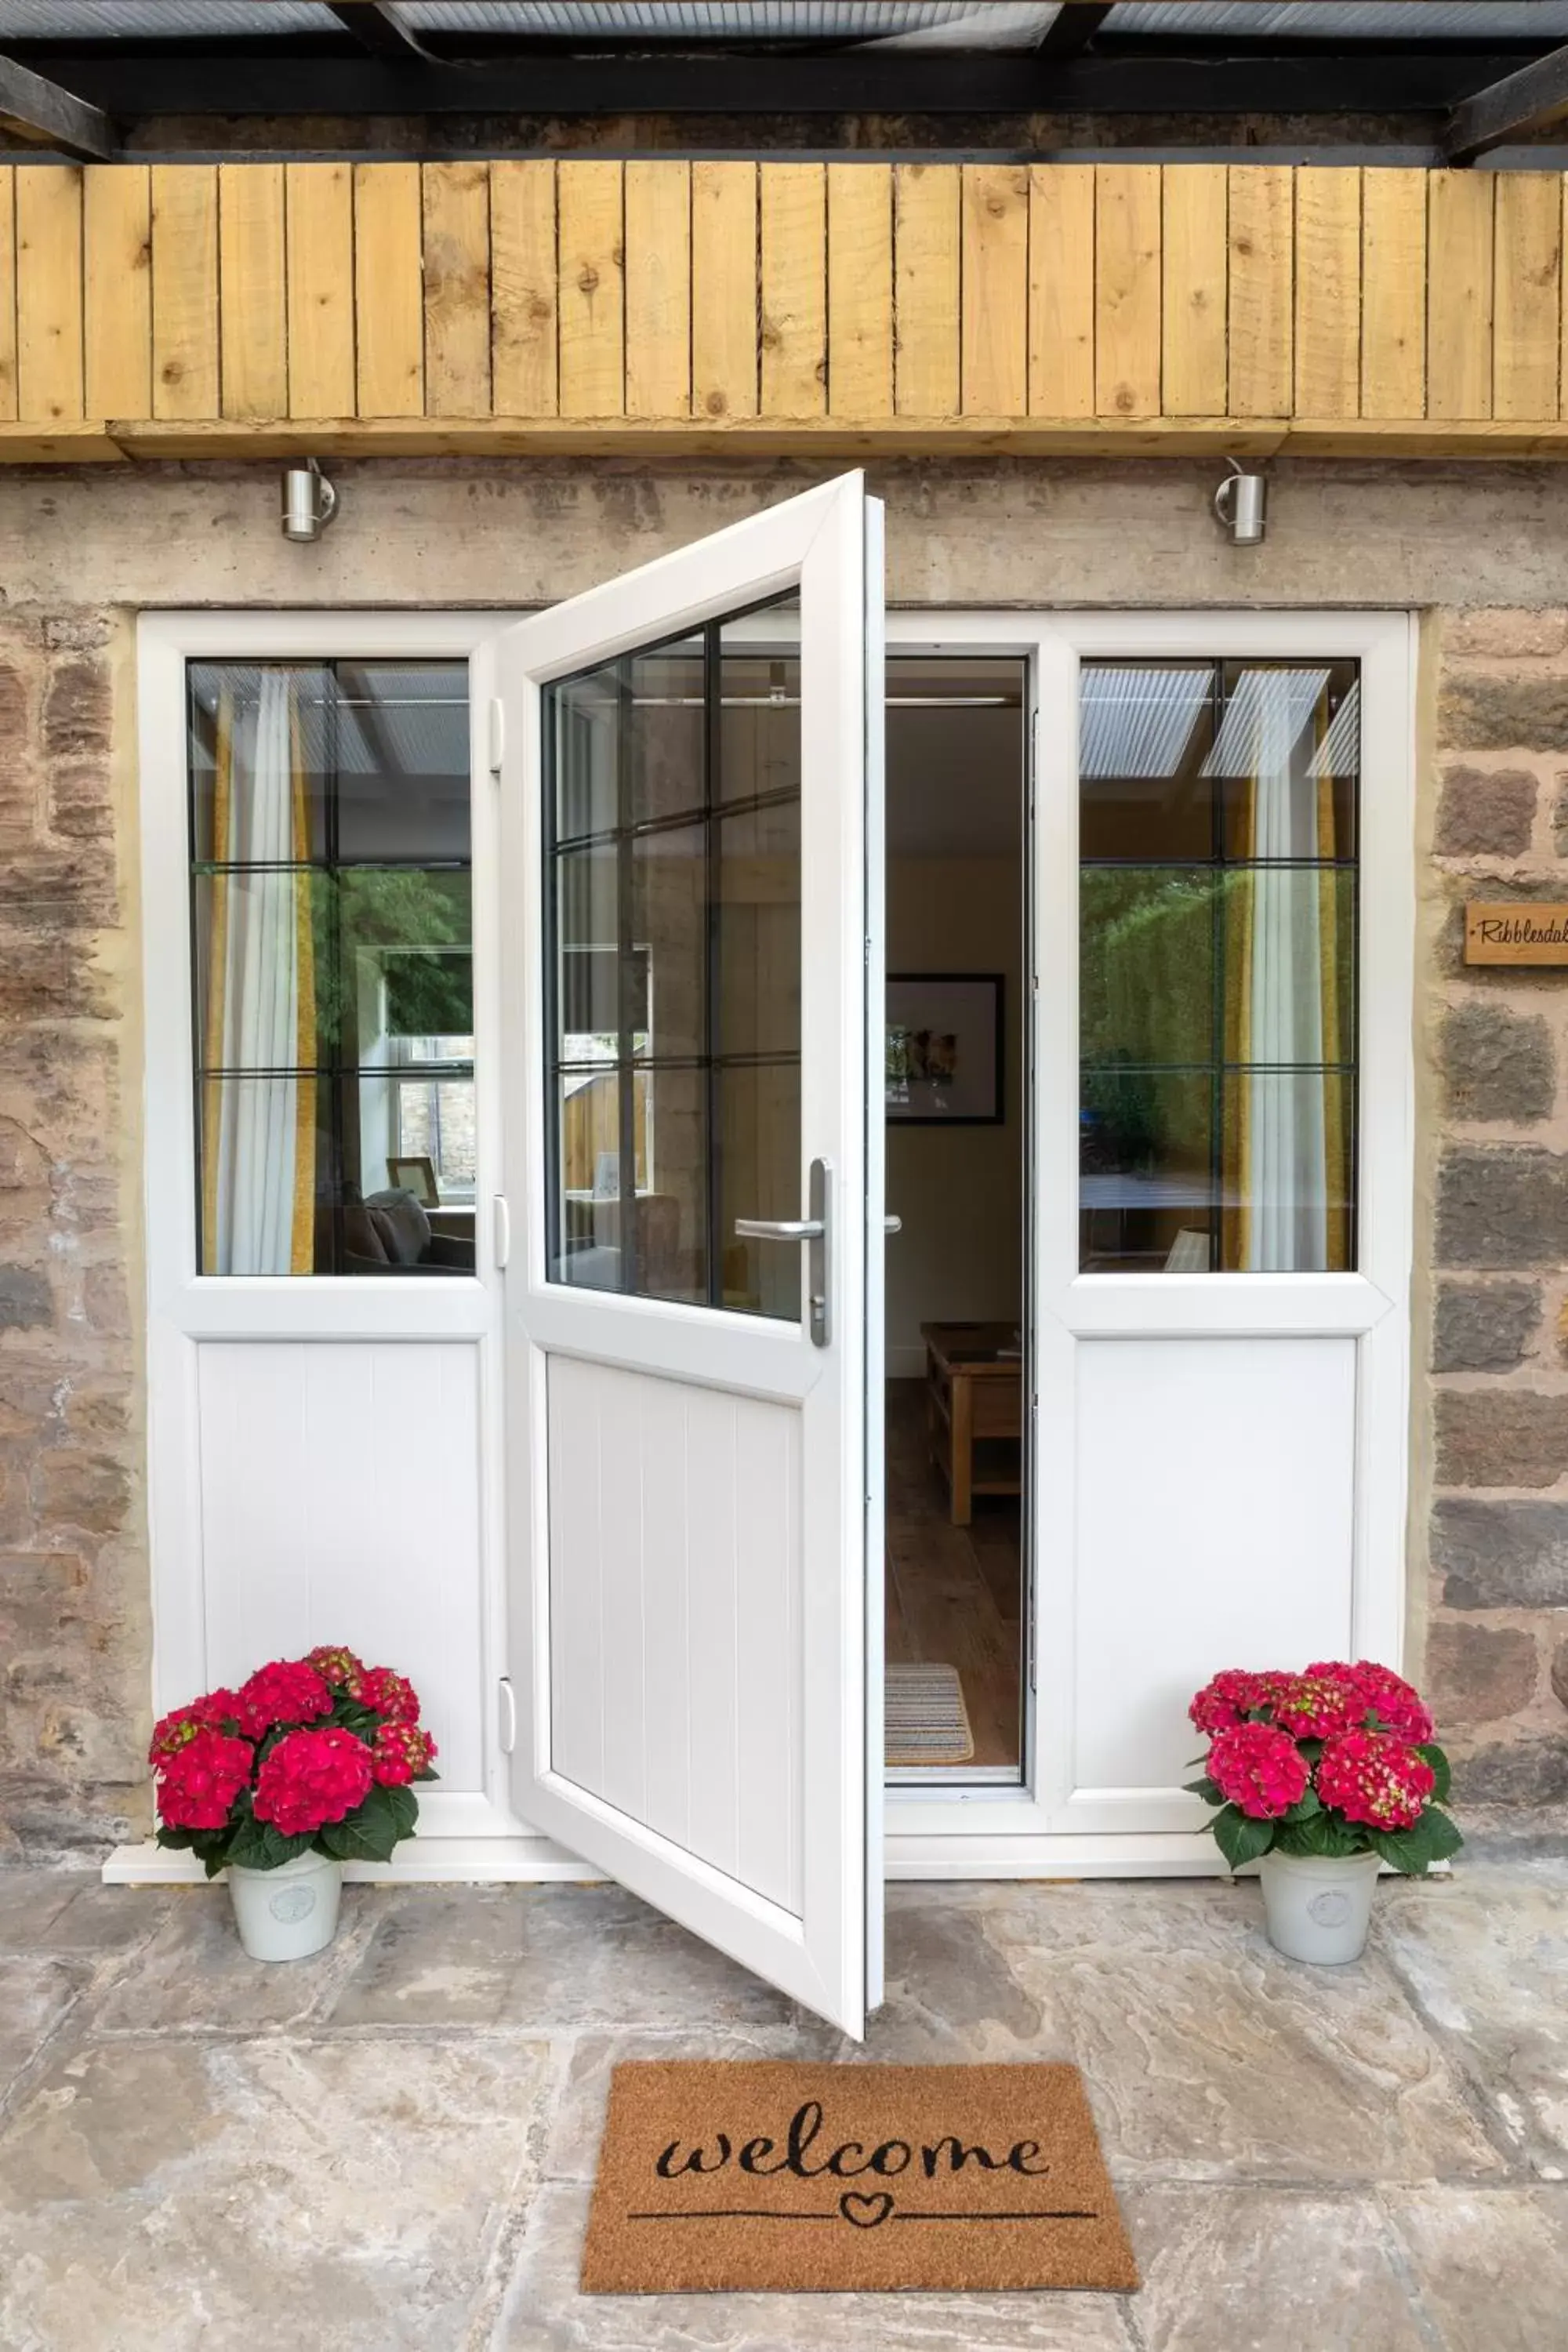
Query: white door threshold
{"points": [[477, 1860]]}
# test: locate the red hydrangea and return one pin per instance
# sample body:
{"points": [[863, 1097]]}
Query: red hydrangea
{"points": [[1317, 1703], [334, 1663], [1400, 1707], [1376, 1778], [311, 1777], [1259, 1768], [389, 1695], [178, 1729], [287, 1691], [1229, 1697], [199, 1779], [401, 1752]]}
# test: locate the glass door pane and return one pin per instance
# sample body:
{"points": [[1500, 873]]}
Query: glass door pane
{"points": [[672, 925]]}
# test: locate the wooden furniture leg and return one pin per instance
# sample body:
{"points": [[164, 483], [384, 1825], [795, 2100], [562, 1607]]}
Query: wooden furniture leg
{"points": [[960, 1447]]}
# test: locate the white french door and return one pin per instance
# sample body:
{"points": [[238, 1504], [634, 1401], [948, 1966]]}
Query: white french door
{"points": [[691, 1232]]}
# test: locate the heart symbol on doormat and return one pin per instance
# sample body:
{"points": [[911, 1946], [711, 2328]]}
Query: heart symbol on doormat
{"points": [[865, 2212]]}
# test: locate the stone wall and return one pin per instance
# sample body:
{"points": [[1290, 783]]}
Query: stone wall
{"points": [[74, 1616], [85, 550], [1497, 1634]]}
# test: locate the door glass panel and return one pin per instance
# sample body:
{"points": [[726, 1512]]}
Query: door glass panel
{"points": [[1217, 999], [673, 962], [333, 967]]}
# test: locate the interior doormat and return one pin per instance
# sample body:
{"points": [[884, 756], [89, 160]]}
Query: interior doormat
{"points": [[927, 1721], [718, 2177]]}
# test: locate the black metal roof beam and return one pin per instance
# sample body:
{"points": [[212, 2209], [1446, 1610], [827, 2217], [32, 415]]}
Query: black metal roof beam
{"points": [[1073, 27], [35, 109], [296, 79], [377, 26], [1522, 103]]}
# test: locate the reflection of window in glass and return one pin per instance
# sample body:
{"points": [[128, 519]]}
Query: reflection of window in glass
{"points": [[333, 966], [674, 962], [1218, 818]]}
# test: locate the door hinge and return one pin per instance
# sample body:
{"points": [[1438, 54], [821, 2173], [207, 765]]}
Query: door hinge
{"points": [[497, 733], [500, 1230], [505, 1714]]}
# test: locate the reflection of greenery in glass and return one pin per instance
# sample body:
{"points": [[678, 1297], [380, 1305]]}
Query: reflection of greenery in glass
{"points": [[404, 910], [1148, 964]]}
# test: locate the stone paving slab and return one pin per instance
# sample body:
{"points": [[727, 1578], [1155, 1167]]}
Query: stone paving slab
{"points": [[388, 2149]]}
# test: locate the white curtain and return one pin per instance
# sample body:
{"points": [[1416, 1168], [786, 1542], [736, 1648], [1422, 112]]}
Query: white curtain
{"points": [[260, 1176]]}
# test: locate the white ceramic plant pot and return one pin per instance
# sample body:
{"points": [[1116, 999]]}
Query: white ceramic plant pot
{"points": [[290, 1912], [1316, 1908]]}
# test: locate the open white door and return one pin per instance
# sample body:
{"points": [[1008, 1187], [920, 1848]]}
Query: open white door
{"points": [[692, 962]]}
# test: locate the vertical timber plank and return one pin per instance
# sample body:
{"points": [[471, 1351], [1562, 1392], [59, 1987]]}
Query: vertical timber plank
{"points": [[523, 306], [860, 289], [117, 293], [318, 239], [389, 317], [794, 214], [1394, 293], [926, 289], [455, 204], [1127, 304], [184, 290], [1260, 198], [48, 293], [7, 293], [659, 289], [1194, 216], [592, 298], [1527, 273], [994, 324], [1459, 293], [724, 290], [1061, 289], [252, 301], [1328, 292]]}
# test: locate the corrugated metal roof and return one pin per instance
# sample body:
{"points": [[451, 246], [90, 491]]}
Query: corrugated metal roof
{"points": [[158, 20], [991, 23], [1345, 20]]}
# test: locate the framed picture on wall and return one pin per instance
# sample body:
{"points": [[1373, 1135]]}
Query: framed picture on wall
{"points": [[945, 1048], [415, 1173]]}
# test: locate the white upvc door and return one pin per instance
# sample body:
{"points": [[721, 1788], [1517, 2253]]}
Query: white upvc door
{"points": [[689, 779]]}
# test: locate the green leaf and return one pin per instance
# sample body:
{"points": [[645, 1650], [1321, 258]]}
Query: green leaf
{"points": [[1239, 1838], [261, 1845], [1413, 1851], [1305, 1807], [1206, 1789], [368, 1834], [1322, 1834], [1430, 1753], [405, 1811]]}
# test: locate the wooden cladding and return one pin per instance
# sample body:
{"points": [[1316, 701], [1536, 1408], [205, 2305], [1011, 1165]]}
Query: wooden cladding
{"points": [[471, 304]]}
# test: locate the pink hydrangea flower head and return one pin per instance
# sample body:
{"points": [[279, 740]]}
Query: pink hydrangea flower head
{"points": [[1399, 1705], [311, 1777], [1315, 1705], [177, 1729], [1259, 1768], [391, 1695], [1229, 1697], [401, 1752], [199, 1780], [1376, 1778], [334, 1663], [288, 1691]]}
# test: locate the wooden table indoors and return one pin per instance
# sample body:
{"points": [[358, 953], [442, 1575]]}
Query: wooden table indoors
{"points": [[974, 1392]]}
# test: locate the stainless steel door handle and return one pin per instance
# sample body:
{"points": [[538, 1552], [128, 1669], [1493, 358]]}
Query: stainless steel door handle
{"points": [[816, 1228], [892, 1225]]}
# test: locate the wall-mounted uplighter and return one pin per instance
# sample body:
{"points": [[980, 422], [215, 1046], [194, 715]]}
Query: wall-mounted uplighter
{"points": [[309, 501], [1240, 503]]}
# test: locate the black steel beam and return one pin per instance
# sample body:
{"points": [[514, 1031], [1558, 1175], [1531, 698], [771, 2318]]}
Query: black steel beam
{"points": [[1523, 102], [297, 81], [1073, 27], [377, 26], [33, 108]]}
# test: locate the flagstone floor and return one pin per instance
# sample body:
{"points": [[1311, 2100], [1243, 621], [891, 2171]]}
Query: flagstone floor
{"points": [[391, 2146]]}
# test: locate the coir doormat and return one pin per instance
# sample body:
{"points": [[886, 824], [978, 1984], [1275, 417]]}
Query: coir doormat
{"points": [[800, 2177]]}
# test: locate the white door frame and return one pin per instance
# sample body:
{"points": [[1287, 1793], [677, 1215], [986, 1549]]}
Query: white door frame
{"points": [[958, 1832]]}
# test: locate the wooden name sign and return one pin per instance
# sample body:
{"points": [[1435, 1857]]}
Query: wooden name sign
{"points": [[1516, 934]]}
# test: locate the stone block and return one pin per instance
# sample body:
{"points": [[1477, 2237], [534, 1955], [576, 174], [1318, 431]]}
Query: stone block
{"points": [[25, 1299], [1485, 813], [1514, 1772], [35, 1995], [1560, 1674], [82, 800], [1501, 1554], [1504, 1206], [1502, 1437], [1497, 1063], [1491, 2271], [74, 1488], [1502, 710], [1483, 1327], [78, 711], [1478, 1673], [1501, 632]]}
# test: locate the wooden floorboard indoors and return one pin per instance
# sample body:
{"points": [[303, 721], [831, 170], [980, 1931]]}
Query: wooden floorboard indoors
{"points": [[953, 1593]]}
